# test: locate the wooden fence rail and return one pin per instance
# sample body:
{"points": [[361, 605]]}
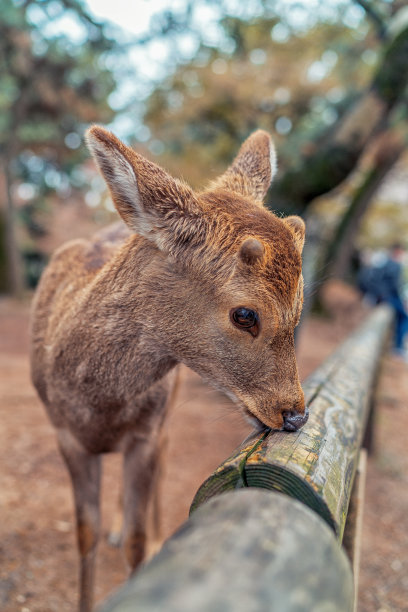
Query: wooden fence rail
{"points": [[256, 550], [316, 464], [246, 551]]}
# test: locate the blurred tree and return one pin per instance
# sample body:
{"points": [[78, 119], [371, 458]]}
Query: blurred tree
{"points": [[388, 149], [52, 84], [294, 84], [328, 91], [378, 118], [333, 157]]}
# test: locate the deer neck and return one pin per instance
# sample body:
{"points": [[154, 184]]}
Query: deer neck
{"points": [[112, 335]]}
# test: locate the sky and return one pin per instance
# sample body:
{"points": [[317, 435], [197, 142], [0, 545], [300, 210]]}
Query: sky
{"points": [[152, 62], [133, 16]]}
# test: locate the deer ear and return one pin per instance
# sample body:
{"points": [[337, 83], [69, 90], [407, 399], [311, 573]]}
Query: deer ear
{"points": [[253, 169], [297, 227], [147, 198]]}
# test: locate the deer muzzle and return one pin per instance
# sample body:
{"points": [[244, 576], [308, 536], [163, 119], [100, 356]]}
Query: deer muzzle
{"points": [[292, 421]]}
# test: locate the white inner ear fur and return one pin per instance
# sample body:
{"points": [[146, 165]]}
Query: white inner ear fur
{"points": [[121, 178], [117, 171], [273, 159]]}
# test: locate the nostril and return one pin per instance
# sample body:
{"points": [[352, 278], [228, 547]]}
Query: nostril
{"points": [[289, 425], [292, 421]]}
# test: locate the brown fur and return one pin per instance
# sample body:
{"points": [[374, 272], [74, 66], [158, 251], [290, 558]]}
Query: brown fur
{"points": [[112, 317]]}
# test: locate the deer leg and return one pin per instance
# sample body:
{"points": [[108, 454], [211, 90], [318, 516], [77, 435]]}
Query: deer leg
{"points": [[140, 474], [85, 471], [155, 538], [115, 532], [153, 526], [143, 467]]}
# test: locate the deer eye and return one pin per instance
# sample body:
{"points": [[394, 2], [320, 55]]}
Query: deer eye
{"points": [[245, 319]]}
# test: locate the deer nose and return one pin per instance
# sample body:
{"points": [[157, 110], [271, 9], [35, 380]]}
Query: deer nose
{"points": [[292, 421]]}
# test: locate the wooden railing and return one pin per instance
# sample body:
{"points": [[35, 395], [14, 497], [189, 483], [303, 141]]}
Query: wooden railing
{"points": [[255, 550]]}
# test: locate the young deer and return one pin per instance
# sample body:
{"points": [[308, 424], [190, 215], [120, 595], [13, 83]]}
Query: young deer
{"points": [[212, 280]]}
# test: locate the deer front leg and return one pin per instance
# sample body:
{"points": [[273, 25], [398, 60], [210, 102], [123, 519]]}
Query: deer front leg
{"points": [[85, 471], [154, 529], [115, 532], [141, 465], [153, 526]]}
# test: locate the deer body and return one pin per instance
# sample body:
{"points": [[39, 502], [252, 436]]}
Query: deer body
{"points": [[212, 280], [96, 370]]}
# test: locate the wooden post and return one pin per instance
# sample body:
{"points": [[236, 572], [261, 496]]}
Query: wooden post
{"points": [[354, 524], [247, 551], [316, 465]]}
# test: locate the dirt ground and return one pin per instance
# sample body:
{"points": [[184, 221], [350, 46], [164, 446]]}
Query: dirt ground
{"points": [[38, 559]]}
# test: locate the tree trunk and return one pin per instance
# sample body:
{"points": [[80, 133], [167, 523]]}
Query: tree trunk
{"points": [[340, 250], [3, 255], [337, 153], [15, 282]]}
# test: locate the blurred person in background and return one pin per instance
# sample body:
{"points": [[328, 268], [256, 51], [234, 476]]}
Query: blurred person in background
{"points": [[382, 278]]}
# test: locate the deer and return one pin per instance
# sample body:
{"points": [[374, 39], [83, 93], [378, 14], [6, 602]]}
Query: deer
{"points": [[209, 279]]}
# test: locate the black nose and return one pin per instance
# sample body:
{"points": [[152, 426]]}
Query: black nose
{"points": [[292, 421]]}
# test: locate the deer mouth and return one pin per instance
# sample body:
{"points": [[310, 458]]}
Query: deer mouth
{"points": [[292, 421], [255, 422]]}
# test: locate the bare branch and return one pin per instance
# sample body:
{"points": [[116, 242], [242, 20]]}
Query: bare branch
{"points": [[376, 18]]}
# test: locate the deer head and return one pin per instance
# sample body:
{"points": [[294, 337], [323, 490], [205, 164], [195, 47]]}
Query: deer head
{"points": [[226, 290]]}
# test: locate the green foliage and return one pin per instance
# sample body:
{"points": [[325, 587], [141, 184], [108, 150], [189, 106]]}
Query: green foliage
{"points": [[296, 81], [296, 88], [323, 90], [327, 166], [51, 87], [391, 80]]}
